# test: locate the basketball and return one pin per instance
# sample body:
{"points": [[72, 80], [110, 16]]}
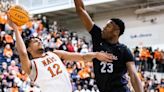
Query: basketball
{"points": [[18, 15]]}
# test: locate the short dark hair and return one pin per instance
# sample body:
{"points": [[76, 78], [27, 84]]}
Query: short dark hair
{"points": [[27, 40], [120, 24]]}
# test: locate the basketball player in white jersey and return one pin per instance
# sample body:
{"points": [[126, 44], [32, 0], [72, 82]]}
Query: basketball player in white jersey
{"points": [[46, 68]]}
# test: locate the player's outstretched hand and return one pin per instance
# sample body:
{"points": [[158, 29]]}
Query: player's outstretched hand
{"points": [[105, 57], [11, 24]]}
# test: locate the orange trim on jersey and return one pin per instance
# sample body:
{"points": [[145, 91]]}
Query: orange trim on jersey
{"points": [[36, 71], [41, 56]]}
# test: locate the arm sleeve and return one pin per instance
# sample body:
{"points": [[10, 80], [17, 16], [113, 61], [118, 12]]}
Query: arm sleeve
{"points": [[128, 56]]}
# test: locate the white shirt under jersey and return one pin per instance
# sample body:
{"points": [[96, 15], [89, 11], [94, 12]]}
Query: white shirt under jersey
{"points": [[50, 74]]}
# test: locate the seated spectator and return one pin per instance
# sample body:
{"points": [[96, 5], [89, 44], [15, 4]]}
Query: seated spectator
{"points": [[9, 39], [69, 68], [85, 89], [4, 66], [159, 88], [58, 42], [14, 88], [79, 88], [4, 74], [2, 39], [95, 89], [84, 49], [7, 53], [70, 47], [13, 67], [84, 73], [4, 86], [3, 20]]}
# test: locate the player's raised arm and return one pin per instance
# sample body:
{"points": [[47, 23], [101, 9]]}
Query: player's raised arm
{"points": [[21, 48], [84, 16], [105, 57]]}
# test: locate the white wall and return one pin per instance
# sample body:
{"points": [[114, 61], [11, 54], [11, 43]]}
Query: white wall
{"points": [[136, 33]]}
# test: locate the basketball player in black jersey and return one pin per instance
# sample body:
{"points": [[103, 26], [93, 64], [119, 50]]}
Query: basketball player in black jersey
{"points": [[110, 77]]}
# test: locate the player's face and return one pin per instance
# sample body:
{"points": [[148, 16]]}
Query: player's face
{"points": [[36, 44], [109, 31]]}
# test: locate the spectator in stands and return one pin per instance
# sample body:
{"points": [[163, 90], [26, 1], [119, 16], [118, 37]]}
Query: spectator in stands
{"points": [[69, 69], [70, 47], [85, 89], [158, 57], [14, 88], [150, 59], [58, 43], [9, 39], [4, 67], [136, 56], [4, 86], [79, 88], [3, 19], [2, 39], [13, 67], [144, 58], [162, 82], [95, 89], [84, 49], [74, 40], [45, 23], [8, 53], [63, 46], [162, 61], [26, 32]]}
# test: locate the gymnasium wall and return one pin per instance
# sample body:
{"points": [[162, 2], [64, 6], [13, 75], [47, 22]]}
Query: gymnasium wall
{"points": [[137, 33]]}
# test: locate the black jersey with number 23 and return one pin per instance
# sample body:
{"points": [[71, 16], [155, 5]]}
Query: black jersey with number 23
{"points": [[110, 77]]}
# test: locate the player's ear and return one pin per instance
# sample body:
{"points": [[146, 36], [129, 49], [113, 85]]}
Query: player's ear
{"points": [[117, 32]]}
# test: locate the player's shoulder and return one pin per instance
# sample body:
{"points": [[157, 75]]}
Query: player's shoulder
{"points": [[122, 45], [95, 28]]}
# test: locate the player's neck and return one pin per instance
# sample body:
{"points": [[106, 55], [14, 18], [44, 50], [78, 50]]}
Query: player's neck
{"points": [[112, 41], [38, 54]]}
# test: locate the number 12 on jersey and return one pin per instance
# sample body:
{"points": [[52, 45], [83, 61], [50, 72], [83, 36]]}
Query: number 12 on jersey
{"points": [[106, 67], [57, 69]]}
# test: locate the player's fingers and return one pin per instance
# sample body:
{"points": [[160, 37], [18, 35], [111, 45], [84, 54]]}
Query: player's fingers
{"points": [[107, 59], [109, 56]]}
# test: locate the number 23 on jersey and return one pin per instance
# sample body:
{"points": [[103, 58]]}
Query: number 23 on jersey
{"points": [[106, 67]]}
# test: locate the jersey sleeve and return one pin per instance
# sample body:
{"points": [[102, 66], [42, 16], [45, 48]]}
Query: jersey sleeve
{"points": [[128, 56], [96, 34], [33, 72]]}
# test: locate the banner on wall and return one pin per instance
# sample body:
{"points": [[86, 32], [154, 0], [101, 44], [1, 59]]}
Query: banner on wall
{"points": [[144, 36]]}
